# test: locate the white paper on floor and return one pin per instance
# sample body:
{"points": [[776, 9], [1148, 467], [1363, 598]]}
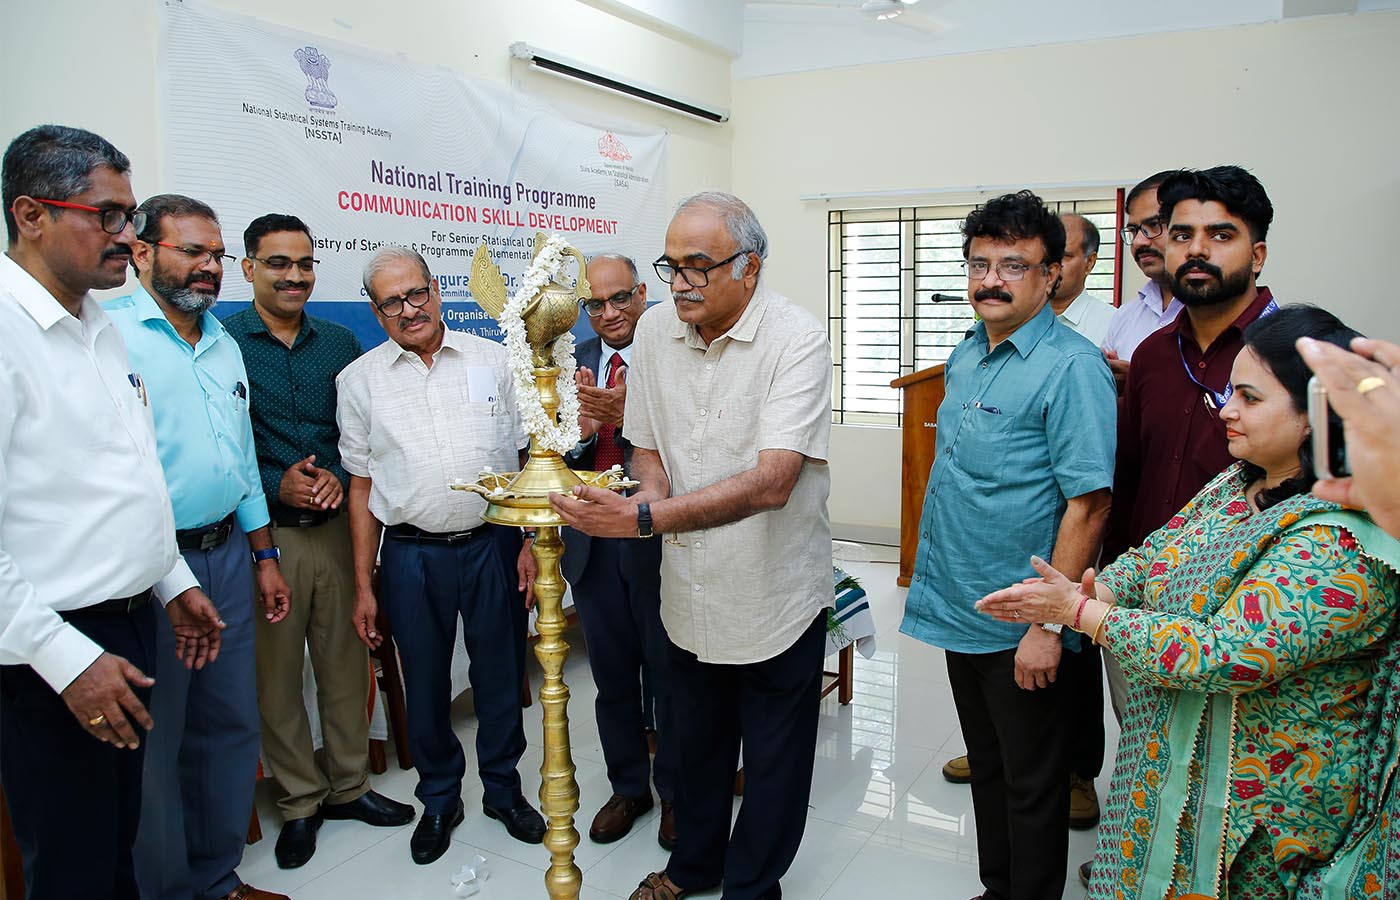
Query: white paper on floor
{"points": [[470, 877]]}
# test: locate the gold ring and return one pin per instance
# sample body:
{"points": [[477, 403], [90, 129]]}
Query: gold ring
{"points": [[1369, 383], [97, 721], [1016, 613]]}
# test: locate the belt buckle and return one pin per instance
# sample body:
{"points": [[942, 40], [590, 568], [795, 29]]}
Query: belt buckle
{"points": [[211, 539], [307, 520]]}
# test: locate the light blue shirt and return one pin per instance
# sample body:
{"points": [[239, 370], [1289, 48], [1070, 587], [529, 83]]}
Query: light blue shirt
{"points": [[1022, 429], [199, 400], [1136, 319]]}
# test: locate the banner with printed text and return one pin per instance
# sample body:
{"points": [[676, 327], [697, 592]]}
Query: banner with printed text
{"points": [[370, 150]]}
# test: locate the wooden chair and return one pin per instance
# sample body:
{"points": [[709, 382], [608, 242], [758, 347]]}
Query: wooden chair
{"points": [[843, 679]]}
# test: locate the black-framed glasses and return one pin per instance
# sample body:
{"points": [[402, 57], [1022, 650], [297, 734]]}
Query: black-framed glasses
{"points": [[1007, 270], [197, 254], [1150, 228], [113, 218], [695, 276], [278, 264], [416, 298], [621, 300]]}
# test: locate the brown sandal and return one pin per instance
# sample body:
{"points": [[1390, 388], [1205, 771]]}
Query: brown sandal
{"points": [[657, 886]]}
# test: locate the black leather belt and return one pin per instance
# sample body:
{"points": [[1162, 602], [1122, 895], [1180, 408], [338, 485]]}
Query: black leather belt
{"points": [[207, 537], [410, 533], [285, 517], [119, 604]]}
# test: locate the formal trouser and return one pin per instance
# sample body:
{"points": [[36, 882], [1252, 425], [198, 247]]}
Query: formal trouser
{"points": [[772, 706], [202, 757], [425, 586], [1117, 685], [1082, 674], [620, 611], [1016, 745], [75, 800], [319, 569]]}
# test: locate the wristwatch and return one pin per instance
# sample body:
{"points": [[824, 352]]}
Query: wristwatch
{"points": [[1052, 627], [269, 553], [644, 520]]}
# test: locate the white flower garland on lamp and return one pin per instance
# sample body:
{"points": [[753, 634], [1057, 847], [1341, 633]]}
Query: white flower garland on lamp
{"points": [[561, 436]]}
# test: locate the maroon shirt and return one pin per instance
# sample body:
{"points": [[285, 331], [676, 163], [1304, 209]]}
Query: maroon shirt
{"points": [[1171, 441]]}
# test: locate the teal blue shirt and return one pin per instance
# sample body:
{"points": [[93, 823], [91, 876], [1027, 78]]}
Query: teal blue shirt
{"points": [[199, 400], [1022, 429]]}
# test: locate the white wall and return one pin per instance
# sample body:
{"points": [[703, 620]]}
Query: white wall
{"points": [[94, 64], [1308, 106]]}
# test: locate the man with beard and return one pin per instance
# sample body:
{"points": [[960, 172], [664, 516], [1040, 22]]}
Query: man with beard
{"points": [[1154, 307], [1026, 425], [428, 405], [1171, 440], [87, 539], [293, 360], [201, 765]]}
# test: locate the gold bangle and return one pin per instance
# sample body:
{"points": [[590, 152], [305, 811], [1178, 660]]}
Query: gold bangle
{"points": [[1094, 638]]}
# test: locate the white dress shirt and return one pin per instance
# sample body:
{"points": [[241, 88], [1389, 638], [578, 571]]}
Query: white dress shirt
{"points": [[742, 592], [1088, 316], [413, 430], [1134, 321], [84, 512]]}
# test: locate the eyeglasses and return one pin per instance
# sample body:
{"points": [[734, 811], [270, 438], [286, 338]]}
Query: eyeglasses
{"points": [[283, 263], [197, 254], [1008, 270], [113, 218], [1151, 228], [694, 275], [416, 298], [621, 300]]}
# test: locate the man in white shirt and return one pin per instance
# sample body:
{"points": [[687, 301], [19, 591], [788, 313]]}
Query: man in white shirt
{"points": [[1085, 314], [1145, 233], [729, 415], [87, 536], [426, 407]]}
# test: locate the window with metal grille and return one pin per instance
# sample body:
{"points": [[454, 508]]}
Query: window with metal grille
{"points": [[897, 296]]}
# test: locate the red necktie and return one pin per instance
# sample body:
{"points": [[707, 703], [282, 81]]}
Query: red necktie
{"points": [[608, 453]]}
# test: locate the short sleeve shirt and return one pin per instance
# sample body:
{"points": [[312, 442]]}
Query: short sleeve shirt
{"points": [[1022, 429], [741, 592]]}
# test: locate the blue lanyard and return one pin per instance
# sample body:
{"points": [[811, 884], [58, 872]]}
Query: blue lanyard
{"points": [[1220, 397]]}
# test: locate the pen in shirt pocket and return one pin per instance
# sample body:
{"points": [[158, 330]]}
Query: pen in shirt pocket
{"points": [[140, 386], [994, 410], [240, 391]]}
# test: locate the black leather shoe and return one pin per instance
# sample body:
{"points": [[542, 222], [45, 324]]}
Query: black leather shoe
{"points": [[433, 834], [372, 809], [297, 842], [521, 820]]}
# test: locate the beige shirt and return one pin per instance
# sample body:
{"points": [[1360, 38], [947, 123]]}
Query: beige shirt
{"points": [[413, 430], [742, 592], [1089, 316]]}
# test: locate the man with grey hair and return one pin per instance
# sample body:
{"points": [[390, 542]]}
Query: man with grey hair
{"points": [[617, 582], [427, 406], [87, 539], [729, 417], [1085, 314], [198, 793]]}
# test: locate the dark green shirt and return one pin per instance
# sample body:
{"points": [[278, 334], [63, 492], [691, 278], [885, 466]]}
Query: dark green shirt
{"points": [[293, 393]]}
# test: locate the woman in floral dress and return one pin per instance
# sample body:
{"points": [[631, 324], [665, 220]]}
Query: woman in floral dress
{"points": [[1258, 632]]}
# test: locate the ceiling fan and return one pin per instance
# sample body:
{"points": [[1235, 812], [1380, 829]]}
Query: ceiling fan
{"points": [[899, 13]]}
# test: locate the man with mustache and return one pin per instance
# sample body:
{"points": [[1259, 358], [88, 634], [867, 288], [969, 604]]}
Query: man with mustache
{"points": [[1024, 466], [293, 359], [87, 539], [202, 765], [1154, 307], [428, 406], [729, 416], [1171, 440]]}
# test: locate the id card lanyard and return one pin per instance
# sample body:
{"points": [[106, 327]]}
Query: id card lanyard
{"points": [[1218, 399]]}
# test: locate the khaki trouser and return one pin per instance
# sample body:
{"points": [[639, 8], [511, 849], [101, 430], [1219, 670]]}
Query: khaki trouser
{"points": [[317, 565]]}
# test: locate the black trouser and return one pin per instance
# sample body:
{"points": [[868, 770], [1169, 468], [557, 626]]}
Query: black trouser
{"points": [[1082, 674], [772, 707], [620, 611], [1016, 746], [75, 800]]}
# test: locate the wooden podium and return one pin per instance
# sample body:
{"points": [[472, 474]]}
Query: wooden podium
{"points": [[922, 392]]}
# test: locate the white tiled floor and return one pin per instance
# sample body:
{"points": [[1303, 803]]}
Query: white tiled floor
{"points": [[883, 821]]}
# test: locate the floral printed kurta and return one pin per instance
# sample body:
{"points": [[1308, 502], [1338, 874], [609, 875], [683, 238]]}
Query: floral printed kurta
{"points": [[1266, 636]]}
